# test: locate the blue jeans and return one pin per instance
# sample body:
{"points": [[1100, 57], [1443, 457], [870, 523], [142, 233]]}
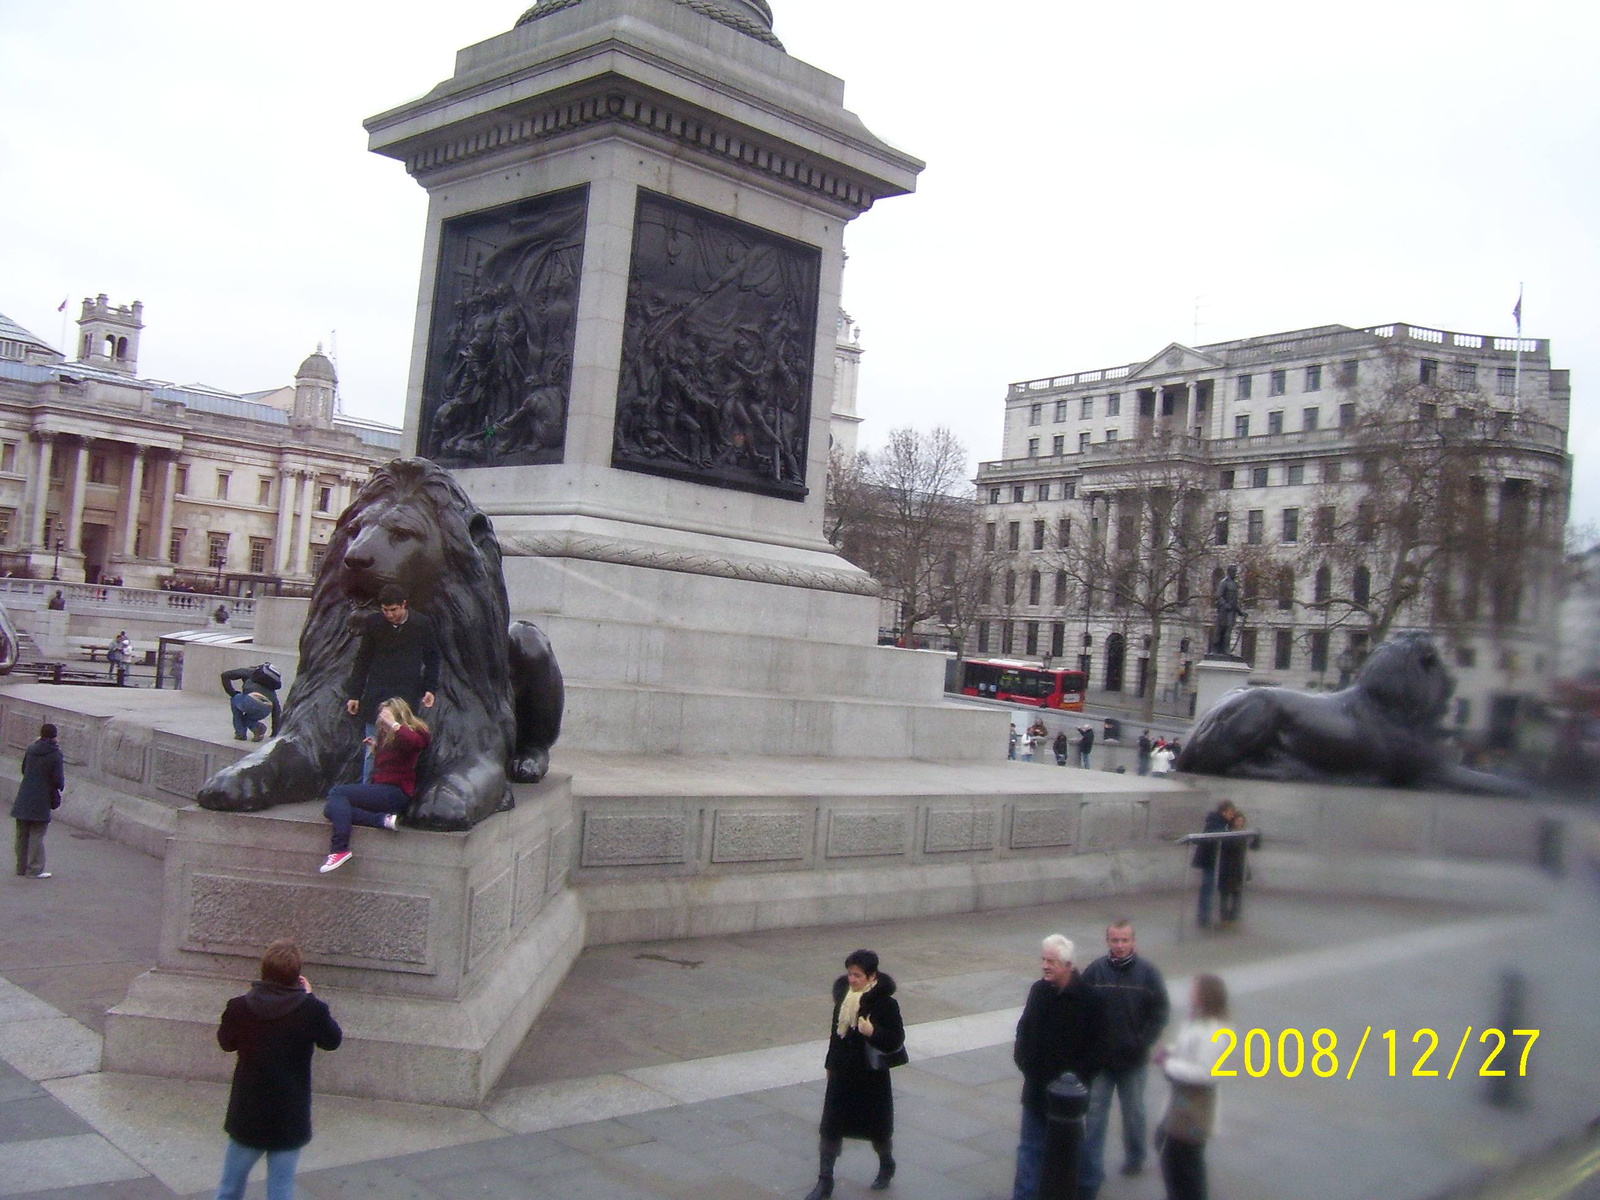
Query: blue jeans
{"points": [[361, 804], [1208, 888], [247, 711], [1030, 1155], [238, 1160], [1130, 1083]]}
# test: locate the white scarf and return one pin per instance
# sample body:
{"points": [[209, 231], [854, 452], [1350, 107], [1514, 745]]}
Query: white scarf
{"points": [[850, 1007]]}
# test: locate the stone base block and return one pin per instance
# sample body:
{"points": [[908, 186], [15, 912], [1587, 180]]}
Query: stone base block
{"points": [[1216, 677]]}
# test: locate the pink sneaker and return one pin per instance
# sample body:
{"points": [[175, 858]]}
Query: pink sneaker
{"points": [[335, 861]]}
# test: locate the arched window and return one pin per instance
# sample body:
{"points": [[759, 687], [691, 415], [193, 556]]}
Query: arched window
{"points": [[1286, 589], [1324, 583], [110, 346], [1033, 587], [1361, 586], [122, 349]]}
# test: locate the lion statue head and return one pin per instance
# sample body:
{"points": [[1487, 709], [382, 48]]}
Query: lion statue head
{"points": [[1407, 678]]}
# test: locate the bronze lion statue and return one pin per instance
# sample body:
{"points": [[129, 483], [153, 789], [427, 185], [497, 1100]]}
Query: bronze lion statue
{"points": [[1382, 730], [500, 696]]}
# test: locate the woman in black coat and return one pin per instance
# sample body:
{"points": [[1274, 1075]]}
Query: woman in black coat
{"points": [[43, 778], [859, 1102]]}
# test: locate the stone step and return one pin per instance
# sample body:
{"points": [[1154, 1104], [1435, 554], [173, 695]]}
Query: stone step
{"points": [[685, 720], [603, 651]]}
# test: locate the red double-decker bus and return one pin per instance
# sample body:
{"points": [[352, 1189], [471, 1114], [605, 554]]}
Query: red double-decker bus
{"points": [[1024, 682]]}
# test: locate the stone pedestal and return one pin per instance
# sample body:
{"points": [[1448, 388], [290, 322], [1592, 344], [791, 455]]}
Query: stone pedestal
{"points": [[1217, 675], [436, 951]]}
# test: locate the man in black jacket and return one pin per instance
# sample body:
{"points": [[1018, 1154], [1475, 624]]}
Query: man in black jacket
{"points": [[275, 1027], [1135, 999], [1062, 1029], [398, 656], [43, 778], [1205, 857], [255, 697]]}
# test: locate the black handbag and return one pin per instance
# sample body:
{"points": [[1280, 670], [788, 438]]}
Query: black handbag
{"points": [[882, 1060]]}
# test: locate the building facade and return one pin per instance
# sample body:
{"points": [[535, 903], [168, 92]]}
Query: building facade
{"points": [[104, 475], [1364, 482]]}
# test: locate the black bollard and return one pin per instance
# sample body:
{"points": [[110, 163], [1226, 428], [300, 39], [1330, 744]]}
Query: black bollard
{"points": [[1068, 1102]]}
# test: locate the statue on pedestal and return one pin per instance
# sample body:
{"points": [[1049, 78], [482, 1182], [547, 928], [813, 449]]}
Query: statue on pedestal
{"points": [[1229, 610]]}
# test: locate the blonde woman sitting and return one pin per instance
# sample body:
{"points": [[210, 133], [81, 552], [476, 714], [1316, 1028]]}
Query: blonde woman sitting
{"points": [[401, 737]]}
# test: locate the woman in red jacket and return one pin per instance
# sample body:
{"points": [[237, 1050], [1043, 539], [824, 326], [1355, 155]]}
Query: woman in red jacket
{"points": [[401, 738]]}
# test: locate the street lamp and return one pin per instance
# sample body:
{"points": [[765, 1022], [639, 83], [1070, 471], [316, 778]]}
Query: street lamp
{"points": [[55, 571]]}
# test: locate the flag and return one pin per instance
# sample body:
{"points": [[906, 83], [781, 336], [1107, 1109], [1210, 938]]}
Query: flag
{"points": [[1517, 313], [62, 307]]}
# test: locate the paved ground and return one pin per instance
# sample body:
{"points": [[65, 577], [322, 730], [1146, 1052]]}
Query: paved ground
{"points": [[692, 1068]]}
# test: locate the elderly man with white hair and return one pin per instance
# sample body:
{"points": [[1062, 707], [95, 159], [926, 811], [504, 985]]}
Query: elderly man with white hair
{"points": [[1063, 1028]]}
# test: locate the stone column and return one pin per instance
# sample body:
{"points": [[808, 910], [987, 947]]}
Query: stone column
{"points": [[75, 494], [302, 541], [130, 516], [41, 487], [280, 540], [166, 485]]}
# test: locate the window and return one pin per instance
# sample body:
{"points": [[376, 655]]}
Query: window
{"points": [[1247, 646], [1322, 525], [1034, 588], [1006, 637], [1278, 383], [1348, 371], [1361, 585], [1044, 491], [994, 495], [985, 588], [1467, 376], [1219, 529], [1428, 414], [1291, 525], [1058, 444], [97, 468], [1225, 481], [324, 498], [1282, 649], [1013, 535], [1058, 639], [175, 546], [1294, 474], [1310, 418], [1243, 387], [1324, 585], [1016, 494], [1069, 490], [983, 637], [1319, 651], [1285, 589], [8, 456], [223, 479], [264, 490], [1035, 414], [1258, 477], [1030, 643], [1061, 411], [1010, 591], [1114, 404], [1063, 532], [1366, 522], [1275, 421], [1256, 526], [1038, 536], [1033, 447], [1430, 370], [1313, 379], [1086, 407], [1347, 415], [1505, 381], [1369, 469], [988, 536], [1466, 656], [1463, 712], [57, 466], [1061, 590], [1331, 471], [1083, 442], [1111, 435], [1241, 425], [217, 551], [7, 517], [259, 548]]}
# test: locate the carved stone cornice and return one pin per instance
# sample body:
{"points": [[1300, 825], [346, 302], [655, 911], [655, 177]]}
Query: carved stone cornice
{"points": [[614, 102], [665, 558]]}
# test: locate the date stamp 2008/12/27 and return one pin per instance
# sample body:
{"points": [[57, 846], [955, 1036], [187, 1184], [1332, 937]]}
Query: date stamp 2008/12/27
{"points": [[1495, 1053]]}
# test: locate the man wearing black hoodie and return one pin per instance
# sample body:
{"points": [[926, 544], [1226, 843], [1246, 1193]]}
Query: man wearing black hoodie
{"points": [[43, 778], [274, 1028], [1135, 1000]]}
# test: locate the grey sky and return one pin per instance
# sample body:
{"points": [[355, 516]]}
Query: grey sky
{"points": [[1092, 170]]}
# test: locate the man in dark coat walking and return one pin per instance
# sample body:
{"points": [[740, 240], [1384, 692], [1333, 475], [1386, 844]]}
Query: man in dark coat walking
{"points": [[1135, 998], [1062, 1029], [43, 778], [398, 656], [274, 1028]]}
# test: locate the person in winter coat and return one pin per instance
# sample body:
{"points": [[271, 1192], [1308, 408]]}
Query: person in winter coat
{"points": [[1063, 748], [274, 1028], [1192, 1112], [1145, 747], [43, 778], [1135, 999], [1062, 1028], [1161, 759], [253, 695], [859, 1102], [1085, 744], [1205, 857], [1231, 872], [398, 656], [401, 738]]}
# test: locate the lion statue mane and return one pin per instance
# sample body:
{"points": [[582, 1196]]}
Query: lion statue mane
{"points": [[1382, 730], [500, 696]]}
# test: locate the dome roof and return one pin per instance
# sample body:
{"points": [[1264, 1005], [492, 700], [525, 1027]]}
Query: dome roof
{"points": [[317, 366], [751, 17]]}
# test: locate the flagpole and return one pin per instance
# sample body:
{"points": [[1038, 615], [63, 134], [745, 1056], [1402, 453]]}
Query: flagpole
{"points": [[1516, 385]]}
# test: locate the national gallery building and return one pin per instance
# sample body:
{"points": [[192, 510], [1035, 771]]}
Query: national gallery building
{"points": [[107, 476]]}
